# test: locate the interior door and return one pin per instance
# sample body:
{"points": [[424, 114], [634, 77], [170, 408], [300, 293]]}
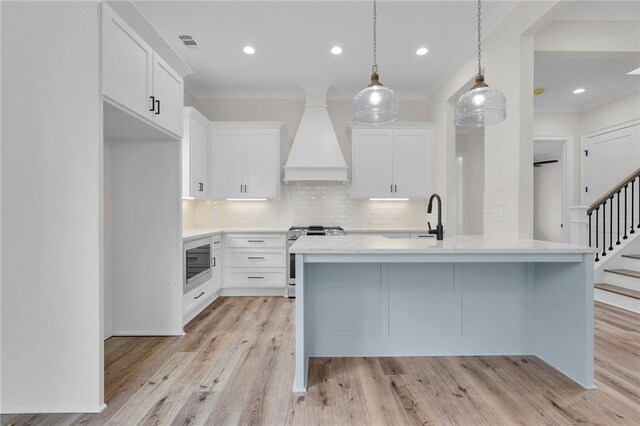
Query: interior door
{"points": [[168, 92], [372, 164], [262, 164], [126, 64], [227, 163], [412, 163], [611, 157]]}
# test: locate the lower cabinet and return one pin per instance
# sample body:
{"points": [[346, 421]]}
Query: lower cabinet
{"points": [[196, 300], [255, 264]]}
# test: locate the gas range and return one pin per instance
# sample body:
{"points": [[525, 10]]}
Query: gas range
{"points": [[296, 232]]}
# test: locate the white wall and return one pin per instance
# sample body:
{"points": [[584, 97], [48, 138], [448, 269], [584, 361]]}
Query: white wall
{"points": [[623, 109], [508, 58], [472, 145], [51, 174], [548, 182], [575, 125], [302, 203]]}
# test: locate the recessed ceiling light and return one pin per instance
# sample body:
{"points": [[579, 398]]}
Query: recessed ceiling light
{"points": [[578, 91], [249, 50], [634, 72], [336, 50], [422, 51]]}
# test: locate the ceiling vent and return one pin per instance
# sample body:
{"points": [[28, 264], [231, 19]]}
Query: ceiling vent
{"points": [[188, 41]]}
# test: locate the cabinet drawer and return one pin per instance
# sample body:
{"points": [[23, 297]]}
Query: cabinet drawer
{"points": [[255, 277], [259, 240], [240, 258], [195, 297], [216, 242]]}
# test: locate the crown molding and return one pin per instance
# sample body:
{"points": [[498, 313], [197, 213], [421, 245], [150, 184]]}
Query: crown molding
{"points": [[228, 94]]}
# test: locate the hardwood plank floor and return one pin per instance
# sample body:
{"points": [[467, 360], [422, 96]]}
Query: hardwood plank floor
{"points": [[235, 366]]}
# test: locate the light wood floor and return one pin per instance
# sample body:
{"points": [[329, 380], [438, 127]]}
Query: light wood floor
{"points": [[235, 366]]}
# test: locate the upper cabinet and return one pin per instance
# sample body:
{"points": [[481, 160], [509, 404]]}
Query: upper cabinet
{"points": [[393, 161], [195, 155], [137, 78], [245, 159]]}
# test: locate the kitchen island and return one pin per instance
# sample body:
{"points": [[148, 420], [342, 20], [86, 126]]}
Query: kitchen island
{"points": [[375, 296]]}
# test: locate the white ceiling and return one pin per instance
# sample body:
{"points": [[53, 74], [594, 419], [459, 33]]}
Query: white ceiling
{"points": [[293, 38], [609, 10], [603, 75]]}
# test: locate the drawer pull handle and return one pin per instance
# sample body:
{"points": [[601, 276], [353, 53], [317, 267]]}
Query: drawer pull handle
{"points": [[256, 241], [256, 278], [256, 258], [216, 242], [199, 296]]}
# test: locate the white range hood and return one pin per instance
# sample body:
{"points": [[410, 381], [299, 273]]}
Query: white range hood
{"points": [[315, 154]]}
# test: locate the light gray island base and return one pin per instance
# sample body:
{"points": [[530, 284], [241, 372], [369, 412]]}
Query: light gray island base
{"points": [[364, 296]]}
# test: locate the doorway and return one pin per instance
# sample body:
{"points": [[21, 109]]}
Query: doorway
{"points": [[549, 190]]}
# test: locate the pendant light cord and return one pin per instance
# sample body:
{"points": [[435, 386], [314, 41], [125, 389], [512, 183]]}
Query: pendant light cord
{"points": [[479, 38], [374, 69]]}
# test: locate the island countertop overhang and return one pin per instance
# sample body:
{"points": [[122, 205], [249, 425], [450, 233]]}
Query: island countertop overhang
{"points": [[360, 244]]}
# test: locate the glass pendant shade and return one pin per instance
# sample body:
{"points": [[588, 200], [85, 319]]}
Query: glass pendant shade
{"points": [[375, 104], [480, 106]]}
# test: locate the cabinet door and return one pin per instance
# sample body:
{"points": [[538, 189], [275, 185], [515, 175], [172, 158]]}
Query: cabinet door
{"points": [[126, 65], [168, 92], [372, 164], [198, 159], [227, 163], [216, 270], [262, 164], [413, 166]]}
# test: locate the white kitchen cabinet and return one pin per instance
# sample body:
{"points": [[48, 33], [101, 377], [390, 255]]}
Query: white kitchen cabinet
{"points": [[168, 94], [216, 263], [245, 160], [127, 64], [136, 78], [255, 264], [195, 155], [393, 162]]}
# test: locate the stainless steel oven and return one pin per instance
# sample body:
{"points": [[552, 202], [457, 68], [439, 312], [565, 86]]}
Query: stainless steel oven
{"points": [[296, 232], [197, 263]]}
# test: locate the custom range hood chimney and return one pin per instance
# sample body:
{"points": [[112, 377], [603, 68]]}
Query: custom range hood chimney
{"points": [[315, 154]]}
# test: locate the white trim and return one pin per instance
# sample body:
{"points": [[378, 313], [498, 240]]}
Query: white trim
{"points": [[261, 125], [291, 94], [265, 291], [613, 128]]}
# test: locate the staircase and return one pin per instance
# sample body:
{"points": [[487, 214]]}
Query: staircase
{"points": [[622, 285], [614, 227]]}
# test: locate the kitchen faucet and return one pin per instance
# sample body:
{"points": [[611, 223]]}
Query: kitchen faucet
{"points": [[439, 231]]}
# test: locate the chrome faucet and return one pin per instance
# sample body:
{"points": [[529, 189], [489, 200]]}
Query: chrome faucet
{"points": [[439, 231]]}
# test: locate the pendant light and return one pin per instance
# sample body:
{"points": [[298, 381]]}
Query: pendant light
{"points": [[375, 104], [482, 105]]}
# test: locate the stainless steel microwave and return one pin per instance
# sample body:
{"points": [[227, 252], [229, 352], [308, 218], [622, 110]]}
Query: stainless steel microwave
{"points": [[197, 263]]}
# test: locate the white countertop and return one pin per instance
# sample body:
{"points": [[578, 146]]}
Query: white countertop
{"points": [[461, 244], [194, 233]]}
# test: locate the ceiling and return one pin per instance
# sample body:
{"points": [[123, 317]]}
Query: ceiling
{"points": [[609, 10], [602, 75], [293, 39]]}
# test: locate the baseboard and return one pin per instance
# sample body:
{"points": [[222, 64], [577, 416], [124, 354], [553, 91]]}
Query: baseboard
{"points": [[108, 333], [268, 291], [133, 333]]}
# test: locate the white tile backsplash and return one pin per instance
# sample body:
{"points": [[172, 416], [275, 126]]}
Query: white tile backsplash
{"points": [[303, 203]]}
